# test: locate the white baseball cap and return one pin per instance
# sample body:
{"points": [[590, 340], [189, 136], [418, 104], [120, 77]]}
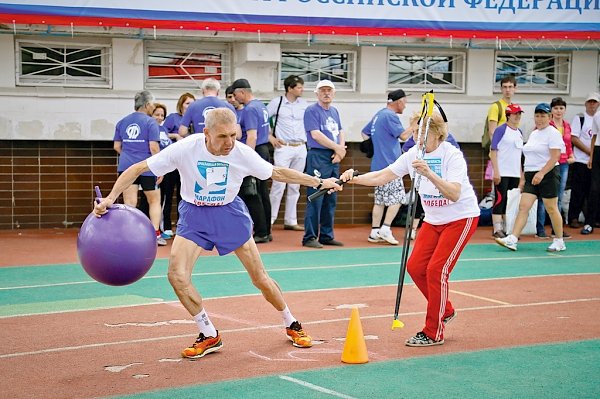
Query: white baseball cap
{"points": [[593, 97], [324, 83]]}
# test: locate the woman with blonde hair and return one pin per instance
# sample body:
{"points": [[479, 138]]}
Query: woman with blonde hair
{"points": [[451, 216], [172, 181]]}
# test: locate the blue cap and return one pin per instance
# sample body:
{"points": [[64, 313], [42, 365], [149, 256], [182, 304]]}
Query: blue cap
{"points": [[543, 107]]}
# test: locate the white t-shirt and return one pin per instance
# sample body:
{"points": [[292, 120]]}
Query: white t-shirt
{"points": [[584, 134], [508, 143], [596, 127], [537, 149], [207, 179], [448, 163]]}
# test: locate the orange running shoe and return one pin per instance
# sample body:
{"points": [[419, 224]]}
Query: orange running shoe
{"points": [[297, 335], [203, 346]]}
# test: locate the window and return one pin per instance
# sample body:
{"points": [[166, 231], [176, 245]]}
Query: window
{"points": [[46, 63], [185, 65], [313, 66], [535, 73], [424, 71]]}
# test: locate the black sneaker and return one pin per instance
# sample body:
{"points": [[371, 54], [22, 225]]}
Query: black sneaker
{"points": [[332, 242], [565, 236], [499, 234], [542, 235], [312, 243], [448, 319], [422, 340]]}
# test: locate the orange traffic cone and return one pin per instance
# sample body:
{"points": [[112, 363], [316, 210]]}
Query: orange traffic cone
{"points": [[355, 348]]}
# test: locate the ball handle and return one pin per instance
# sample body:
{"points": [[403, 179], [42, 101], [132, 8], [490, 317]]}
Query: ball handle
{"points": [[98, 194]]}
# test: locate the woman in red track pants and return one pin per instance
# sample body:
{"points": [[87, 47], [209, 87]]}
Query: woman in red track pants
{"points": [[451, 216]]}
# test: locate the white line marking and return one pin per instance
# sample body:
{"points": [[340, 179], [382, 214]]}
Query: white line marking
{"points": [[278, 326], [479, 297], [118, 369], [177, 303], [288, 269], [315, 387]]}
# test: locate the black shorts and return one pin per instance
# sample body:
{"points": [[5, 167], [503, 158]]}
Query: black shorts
{"points": [[506, 184], [548, 187], [148, 183]]}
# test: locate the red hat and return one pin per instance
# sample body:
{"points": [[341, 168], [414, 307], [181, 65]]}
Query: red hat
{"points": [[513, 109]]}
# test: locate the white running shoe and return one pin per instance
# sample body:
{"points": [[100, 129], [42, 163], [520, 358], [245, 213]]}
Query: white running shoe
{"points": [[509, 242], [557, 245], [375, 240], [388, 237]]}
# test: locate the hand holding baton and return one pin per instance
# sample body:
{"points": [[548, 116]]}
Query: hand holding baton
{"points": [[323, 191]]}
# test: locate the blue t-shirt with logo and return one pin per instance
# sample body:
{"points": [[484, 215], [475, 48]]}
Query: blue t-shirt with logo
{"points": [[172, 122], [325, 120], [196, 112], [135, 132], [384, 130], [255, 116]]}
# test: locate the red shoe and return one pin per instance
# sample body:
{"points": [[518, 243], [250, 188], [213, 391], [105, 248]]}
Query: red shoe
{"points": [[297, 335], [203, 346]]}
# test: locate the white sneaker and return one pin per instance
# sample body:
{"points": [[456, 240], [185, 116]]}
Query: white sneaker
{"points": [[161, 242], [508, 242], [557, 246], [388, 237], [375, 240]]}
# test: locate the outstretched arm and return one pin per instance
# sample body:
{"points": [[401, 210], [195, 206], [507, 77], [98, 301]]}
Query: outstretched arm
{"points": [[125, 180], [287, 175], [377, 178]]}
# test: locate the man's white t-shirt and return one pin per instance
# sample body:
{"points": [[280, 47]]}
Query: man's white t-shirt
{"points": [[449, 163], [584, 134], [207, 179], [596, 127], [537, 149]]}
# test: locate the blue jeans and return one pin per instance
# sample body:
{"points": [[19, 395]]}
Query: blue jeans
{"points": [[319, 215], [564, 175]]}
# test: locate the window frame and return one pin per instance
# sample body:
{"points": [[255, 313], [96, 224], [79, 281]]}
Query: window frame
{"points": [[203, 48], [352, 61], [102, 80], [458, 58], [559, 87]]}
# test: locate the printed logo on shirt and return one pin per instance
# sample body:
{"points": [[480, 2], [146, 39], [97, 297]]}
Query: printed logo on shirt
{"points": [[211, 190], [333, 127], [434, 201], [435, 164], [133, 131]]}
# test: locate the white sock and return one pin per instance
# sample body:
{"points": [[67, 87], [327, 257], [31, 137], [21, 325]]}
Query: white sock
{"points": [[205, 325], [374, 231], [385, 229], [498, 226], [287, 316]]}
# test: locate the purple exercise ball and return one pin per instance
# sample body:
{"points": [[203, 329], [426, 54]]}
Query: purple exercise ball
{"points": [[118, 248]]}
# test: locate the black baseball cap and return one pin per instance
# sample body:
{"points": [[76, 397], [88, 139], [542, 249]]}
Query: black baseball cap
{"points": [[240, 84], [396, 95]]}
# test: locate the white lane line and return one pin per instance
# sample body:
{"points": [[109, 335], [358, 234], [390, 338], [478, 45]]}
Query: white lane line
{"points": [[315, 387], [479, 297], [177, 303], [278, 326], [560, 257]]}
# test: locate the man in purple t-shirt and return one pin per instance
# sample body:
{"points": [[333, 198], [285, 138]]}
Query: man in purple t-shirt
{"points": [[137, 137], [326, 149], [384, 130], [254, 121], [196, 112]]}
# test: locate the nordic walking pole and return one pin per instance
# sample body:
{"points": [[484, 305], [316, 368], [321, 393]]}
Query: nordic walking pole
{"points": [[323, 191], [426, 112]]}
